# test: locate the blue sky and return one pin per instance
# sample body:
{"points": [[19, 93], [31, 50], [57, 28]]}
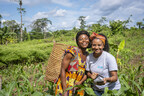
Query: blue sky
{"points": [[64, 13]]}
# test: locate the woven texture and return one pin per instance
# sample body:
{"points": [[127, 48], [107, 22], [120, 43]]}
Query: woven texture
{"points": [[54, 62]]}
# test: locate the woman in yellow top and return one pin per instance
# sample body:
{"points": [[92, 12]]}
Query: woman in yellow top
{"points": [[73, 66]]}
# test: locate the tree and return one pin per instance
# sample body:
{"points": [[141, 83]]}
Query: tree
{"points": [[95, 28], [12, 24], [116, 26], [13, 28], [82, 22], [101, 21], [139, 24], [21, 11], [40, 25], [25, 34], [35, 35], [1, 36], [0, 20]]}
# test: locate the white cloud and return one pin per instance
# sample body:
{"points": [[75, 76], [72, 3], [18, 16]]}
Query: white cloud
{"points": [[40, 15], [90, 23], [52, 13], [87, 18], [67, 18], [64, 24], [3, 20], [60, 12]]}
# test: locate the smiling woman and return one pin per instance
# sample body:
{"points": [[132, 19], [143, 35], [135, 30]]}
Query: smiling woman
{"points": [[102, 66], [73, 66]]}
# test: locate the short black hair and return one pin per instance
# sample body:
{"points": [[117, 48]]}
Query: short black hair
{"points": [[80, 33]]}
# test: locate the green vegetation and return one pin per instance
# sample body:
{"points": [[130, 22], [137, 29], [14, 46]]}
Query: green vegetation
{"points": [[23, 64], [24, 75]]}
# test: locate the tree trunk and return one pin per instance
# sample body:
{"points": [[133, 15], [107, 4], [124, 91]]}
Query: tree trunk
{"points": [[1, 40], [44, 35], [21, 24]]}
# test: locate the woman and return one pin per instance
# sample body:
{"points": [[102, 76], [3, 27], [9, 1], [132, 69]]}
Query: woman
{"points": [[101, 65], [73, 66]]}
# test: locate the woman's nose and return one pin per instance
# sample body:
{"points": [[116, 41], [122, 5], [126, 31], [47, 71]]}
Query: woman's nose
{"points": [[96, 47]]}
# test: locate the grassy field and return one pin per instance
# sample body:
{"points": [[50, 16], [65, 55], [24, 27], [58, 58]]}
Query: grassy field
{"points": [[23, 66]]}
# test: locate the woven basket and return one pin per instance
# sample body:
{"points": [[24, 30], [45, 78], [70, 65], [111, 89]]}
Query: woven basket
{"points": [[54, 62]]}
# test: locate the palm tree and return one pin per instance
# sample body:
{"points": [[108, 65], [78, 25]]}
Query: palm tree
{"points": [[21, 11], [139, 24]]}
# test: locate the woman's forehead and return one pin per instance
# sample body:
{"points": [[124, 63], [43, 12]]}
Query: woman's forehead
{"points": [[83, 36], [96, 40]]}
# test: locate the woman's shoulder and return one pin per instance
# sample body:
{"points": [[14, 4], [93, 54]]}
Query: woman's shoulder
{"points": [[90, 55], [72, 50], [108, 55], [72, 47]]}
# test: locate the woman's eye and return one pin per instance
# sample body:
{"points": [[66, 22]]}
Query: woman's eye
{"points": [[83, 39]]}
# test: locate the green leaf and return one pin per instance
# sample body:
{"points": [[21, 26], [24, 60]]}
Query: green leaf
{"points": [[142, 93], [121, 45], [40, 78], [136, 84], [106, 90], [30, 87], [37, 94], [125, 83], [11, 88], [90, 91], [69, 88]]}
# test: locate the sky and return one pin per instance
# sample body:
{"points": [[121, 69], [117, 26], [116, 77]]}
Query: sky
{"points": [[64, 14]]}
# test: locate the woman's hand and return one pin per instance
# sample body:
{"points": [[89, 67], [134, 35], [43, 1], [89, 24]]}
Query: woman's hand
{"points": [[102, 83], [65, 94], [94, 75], [77, 83]]}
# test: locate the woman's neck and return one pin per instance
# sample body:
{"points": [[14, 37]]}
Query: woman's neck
{"points": [[96, 55], [82, 50]]}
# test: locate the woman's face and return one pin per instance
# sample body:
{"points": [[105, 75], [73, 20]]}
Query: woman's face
{"points": [[83, 41], [97, 46]]}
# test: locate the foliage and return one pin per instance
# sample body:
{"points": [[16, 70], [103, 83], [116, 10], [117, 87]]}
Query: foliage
{"points": [[25, 52], [40, 25], [26, 78], [82, 22], [139, 24], [26, 81]]}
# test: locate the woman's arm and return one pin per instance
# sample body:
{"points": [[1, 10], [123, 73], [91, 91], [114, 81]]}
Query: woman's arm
{"points": [[65, 63], [113, 77], [82, 80]]}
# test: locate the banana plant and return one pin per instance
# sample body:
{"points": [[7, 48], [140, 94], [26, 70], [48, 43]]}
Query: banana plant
{"points": [[120, 47]]}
